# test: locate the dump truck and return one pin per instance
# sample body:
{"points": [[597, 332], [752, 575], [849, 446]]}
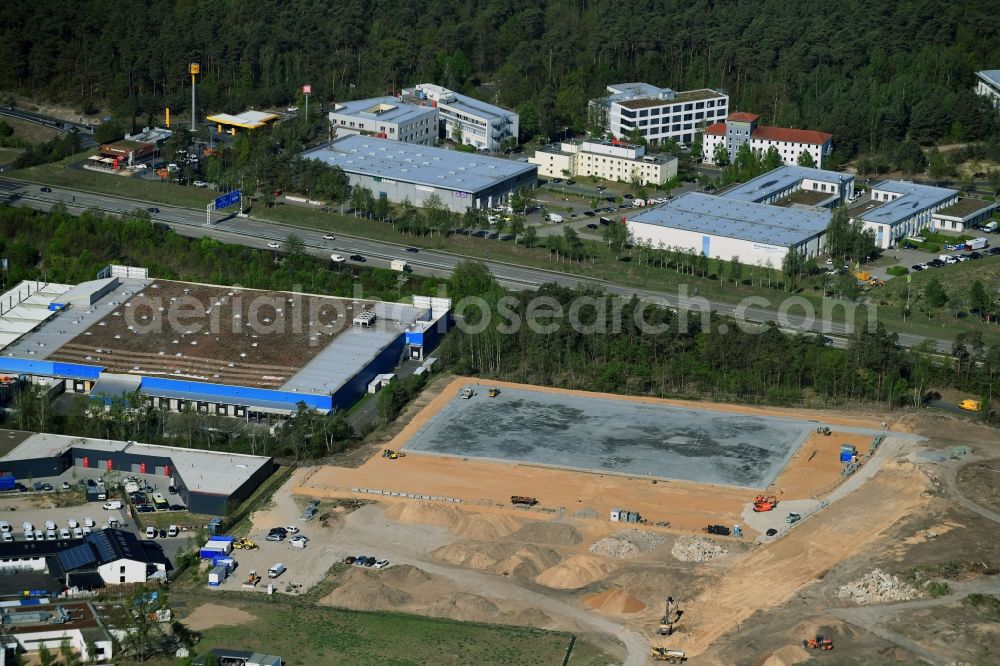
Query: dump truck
{"points": [[493, 392], [668, 655]]}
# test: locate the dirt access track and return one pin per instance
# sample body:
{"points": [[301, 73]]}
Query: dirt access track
{"points": [[551, 563]]}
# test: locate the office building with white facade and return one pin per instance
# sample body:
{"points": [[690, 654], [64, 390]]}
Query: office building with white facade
{"points": [[386, 118], [742, 128], [899, 209], [465, 119], [988, 85], [658, 114], [608, 160]]}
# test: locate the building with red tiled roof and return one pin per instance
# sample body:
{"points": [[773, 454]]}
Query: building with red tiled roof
{"points": [[740, 128]]}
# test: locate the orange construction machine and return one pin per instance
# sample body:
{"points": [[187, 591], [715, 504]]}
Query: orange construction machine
{"points": [[762, 504], [818, 643]]}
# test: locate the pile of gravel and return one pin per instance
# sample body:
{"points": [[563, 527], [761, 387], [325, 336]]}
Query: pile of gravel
{"points": [[877, 587], [627, 544], [696, 549]]}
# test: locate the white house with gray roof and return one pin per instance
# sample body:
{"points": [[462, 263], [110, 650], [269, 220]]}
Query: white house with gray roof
{"points": [[474, 122], [386, 118]]}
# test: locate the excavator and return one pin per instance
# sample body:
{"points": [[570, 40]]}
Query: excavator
{"points": [[818, 643], [392, 455], [668, 655], [762, 503], [493, 392], [671, 615]]}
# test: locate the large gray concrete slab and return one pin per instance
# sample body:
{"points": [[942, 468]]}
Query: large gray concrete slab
{"points": [[614, 436]]}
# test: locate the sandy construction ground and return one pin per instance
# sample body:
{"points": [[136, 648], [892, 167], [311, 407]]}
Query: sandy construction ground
{"points": [[207, 616], [469, 554]]}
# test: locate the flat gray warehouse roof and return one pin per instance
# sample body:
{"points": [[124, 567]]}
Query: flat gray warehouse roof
{"points": [[915, 199], [388, 109], [743, 220], [780, 179], [203, 471], [421, 165]]}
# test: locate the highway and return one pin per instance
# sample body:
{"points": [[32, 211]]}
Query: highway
{"points": [[258, 233], [85, 133]]}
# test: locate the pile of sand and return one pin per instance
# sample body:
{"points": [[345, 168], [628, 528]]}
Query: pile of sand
{"points": [[614, 601], [472, 525], [507, 559], [576, 572], [627, 544], [550, 534], [207, 616], [408, 589]]}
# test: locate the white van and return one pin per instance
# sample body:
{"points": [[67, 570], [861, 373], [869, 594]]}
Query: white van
{"points": [[50, 535], [50, 525], [64, 533], [112, 505], [27, 527], [172, 531], [4, 527], [276, 570], [150, 532]]}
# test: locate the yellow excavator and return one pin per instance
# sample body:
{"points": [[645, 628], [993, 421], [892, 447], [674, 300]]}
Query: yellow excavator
{"points": [[245, 544]]}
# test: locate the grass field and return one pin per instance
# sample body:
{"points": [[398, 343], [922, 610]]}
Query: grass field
{"points": [[303, 634], [30, 132]]}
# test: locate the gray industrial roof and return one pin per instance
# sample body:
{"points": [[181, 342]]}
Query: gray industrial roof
{"points": [[338, 363], [401, 112], [991, 75], [203, 471], [432, 167], [477, 107], [637, 89], [915, 198], [779, 179], [743, 220]]}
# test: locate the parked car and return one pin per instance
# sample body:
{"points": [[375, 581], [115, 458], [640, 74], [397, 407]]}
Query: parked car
{"points": [[359, 561], [592, 226], [370, 562], [163, 533], [382, 564], [77, 533], [298, 541], [64, 533], [71, 523], [291, 529], [150, 532], [173, 531], [571, 182], [88, 522], [172, 490], [65, 485], [112, 505], [349, 559], [145, 508], [178, 507], [50, 524], [917, 267]]}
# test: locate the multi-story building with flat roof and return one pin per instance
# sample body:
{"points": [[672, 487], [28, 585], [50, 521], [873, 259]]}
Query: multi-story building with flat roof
{"points": [[608, 160], [657, 114], [988, 85], [386, 118], [742, 128], [465, 119]]}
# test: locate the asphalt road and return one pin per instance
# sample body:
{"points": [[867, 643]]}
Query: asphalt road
{"points": [[86, 137], [257, 233]]}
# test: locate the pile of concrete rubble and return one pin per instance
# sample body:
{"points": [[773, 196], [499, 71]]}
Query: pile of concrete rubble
{"points": [[627, 544], [697, 549], [877, 587]]}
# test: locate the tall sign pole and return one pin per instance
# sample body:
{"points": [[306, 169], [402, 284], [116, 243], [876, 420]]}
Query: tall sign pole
{"points": [[193, 69], [307, 90]]}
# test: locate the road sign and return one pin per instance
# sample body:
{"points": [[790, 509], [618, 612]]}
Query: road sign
{"points": [[307, 89], [227, 200]]}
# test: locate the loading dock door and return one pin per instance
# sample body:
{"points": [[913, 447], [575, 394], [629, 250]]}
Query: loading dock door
{"points": [[136, 468], [161, 470], [79, 461]]}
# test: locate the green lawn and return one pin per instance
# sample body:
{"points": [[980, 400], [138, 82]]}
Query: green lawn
{"points": [[304, 634]]}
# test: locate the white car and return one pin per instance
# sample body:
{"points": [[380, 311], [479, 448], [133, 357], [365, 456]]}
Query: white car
{"points": [[77, 533], [150, 532], [337, 258], [329, 237], [298, 541], [29, 536], [7, 537], [50, 525], [88, 522], [274, 245], [64, 533], [381, 564], [200, 183], [292, 529], [71, 523]]}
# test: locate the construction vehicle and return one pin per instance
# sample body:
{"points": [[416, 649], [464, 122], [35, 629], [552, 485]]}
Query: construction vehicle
{"points": [[824, 430], [466, 394], [971, 405], [671, 615], [818, 643], [493, 392], [251, 581], [244, 544], [668, 655], [762, 503], [522, 500], [390, 454]]}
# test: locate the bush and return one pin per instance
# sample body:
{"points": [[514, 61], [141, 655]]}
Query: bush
{"points": [[938, 588], [897, 270]]}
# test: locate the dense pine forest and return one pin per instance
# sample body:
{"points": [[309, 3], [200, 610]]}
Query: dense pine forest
{"points": [[873, 73]]}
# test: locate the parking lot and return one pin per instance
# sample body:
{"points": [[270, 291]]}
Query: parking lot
{"points": [[305, 567], [32, 508]]}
